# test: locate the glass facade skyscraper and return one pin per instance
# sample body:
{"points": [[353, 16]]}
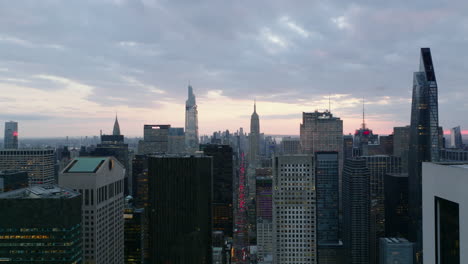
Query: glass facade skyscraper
{"points": [[11, 135], [424, 140], [191, 122]]}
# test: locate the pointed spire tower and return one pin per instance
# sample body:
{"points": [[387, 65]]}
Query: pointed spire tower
{"points": [[254, 137], [116, 131], [191, 122]]}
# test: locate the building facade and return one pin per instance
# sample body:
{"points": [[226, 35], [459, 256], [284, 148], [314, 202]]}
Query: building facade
{"points": [[290, 146], [100, 180], [13, 180], [155, 139], [191, 122], [41, 224], [294, 210], [356, 211], [180, 221], [38, 163], [396, 205], [456, 138], [401, 145], [424, 143], [445, 212], [254, 137], [11, 135], [395, 250]]}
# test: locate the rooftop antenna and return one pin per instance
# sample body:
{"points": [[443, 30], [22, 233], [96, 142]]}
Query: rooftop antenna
{"points": [[329, 104], [255, 105], [363, 115]]}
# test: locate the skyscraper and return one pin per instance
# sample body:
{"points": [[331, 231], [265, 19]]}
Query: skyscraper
{"points": [[424, 140], [327, 174], [155, 139], [396, 205], [135, 233], [116, 130], [180, 221], [395, 250], [456, 138], [401, 145], [294, 210], [41, 224], [290, 146], [191, 122], [356, 211], [264, 187], [254, 136], [100, 180], [11, 135], [38, 163]]}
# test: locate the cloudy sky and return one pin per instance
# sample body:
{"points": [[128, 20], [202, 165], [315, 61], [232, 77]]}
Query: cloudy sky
{"points": [[66, 67]]}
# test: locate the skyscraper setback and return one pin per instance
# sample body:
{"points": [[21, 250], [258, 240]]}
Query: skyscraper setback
{"points": [[191, 122], [424, 140]]}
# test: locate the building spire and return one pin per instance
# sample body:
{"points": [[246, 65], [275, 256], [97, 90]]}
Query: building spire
{"points": [[255, 105], [363, 115], [116, 131], [329, 103]]}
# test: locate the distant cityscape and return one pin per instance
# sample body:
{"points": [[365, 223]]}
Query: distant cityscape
{"points": [[245, 196]]}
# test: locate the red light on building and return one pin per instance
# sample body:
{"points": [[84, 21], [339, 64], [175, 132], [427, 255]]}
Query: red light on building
{"points": [[15, 133], [366, 132]]}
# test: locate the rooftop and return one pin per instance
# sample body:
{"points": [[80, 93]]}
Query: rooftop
{"points": [[396, 240], [40, 192], [85, 165]]}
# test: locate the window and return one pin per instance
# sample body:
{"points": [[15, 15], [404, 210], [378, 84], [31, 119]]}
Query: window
{"points": [[447, 229]]}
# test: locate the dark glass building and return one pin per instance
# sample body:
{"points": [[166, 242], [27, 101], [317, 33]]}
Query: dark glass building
{"points": [[396, 205], [140, 181], [13, 180], [222, 186], [424, 140], [134, 234], [180, 221], [41, 224], [356, 211]]}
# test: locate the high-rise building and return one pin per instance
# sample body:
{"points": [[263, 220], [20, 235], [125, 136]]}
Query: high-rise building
{"points": [[356, 211], [38, 163], [396, 204], [140, 181], [379, 166], [444, 212], [134, 234], [155, 139], [191, 122], [453, 155], [395, 250], [424, 143], [176, 140], [222, 187], [11, 135], [386, 145], [326, 185], [264, 214], [41, 224], [294, 210], [290, 146], [347, 146], [254, 137], [401, 145], [180, 221], [456, 138], [100, 180], [13, 180]]}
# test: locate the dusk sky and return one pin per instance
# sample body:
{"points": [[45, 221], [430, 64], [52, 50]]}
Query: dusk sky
{"points": [[66, 67]]}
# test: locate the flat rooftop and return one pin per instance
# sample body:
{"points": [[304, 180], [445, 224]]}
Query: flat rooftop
{"points": [[40, 192], [86, 164], [396, 240]]}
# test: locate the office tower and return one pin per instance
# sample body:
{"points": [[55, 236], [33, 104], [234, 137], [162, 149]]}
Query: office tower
{"points": [[63, 155], [11, 135], [155, 139], [378, 166], [347, 146], [254, 136], [13, 180], [326, 185], [456, 138], [41, 224], [180, 190], [444, 214], [140, 181], [176, 140], [100, 180], [320, 131], [396, 204], [363, 138], [290, 146], [134, 233], [424, 140], [38, 163], [294, 216], [191, 122], [356, 211], [395, 250], [116, 130], [222, 187], [401, 145], [386, 145], [264, 215]]}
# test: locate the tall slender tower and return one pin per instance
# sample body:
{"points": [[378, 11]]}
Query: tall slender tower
{"points": [[424, 141], [11, 135], [191, 122], [116, 131], [254, 137]]}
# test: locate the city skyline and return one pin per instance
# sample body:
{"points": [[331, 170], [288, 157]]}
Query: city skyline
{"points": [[67, 73]]}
